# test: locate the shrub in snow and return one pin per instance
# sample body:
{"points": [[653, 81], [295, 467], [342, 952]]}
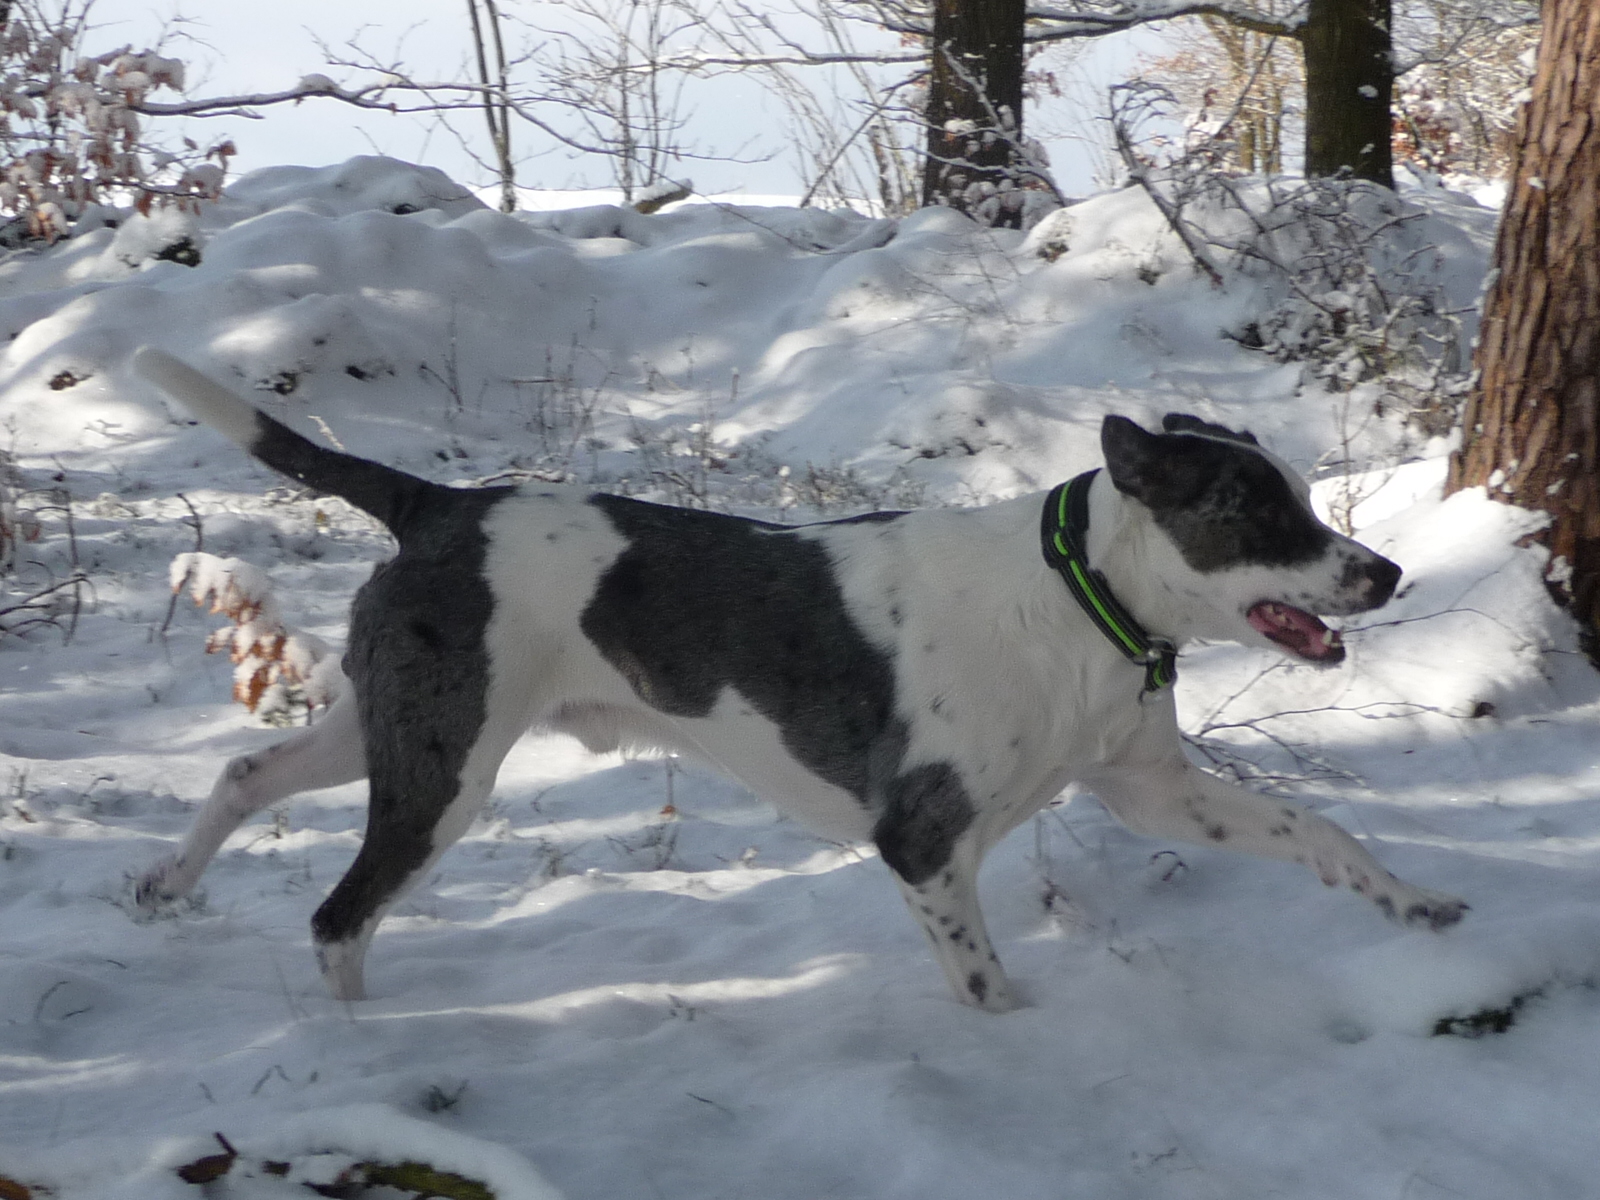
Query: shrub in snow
{"points": [[276, 668], [71, 136], [11, 529], [1361, 296]]}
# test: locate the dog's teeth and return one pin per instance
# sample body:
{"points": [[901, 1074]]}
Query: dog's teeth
{"points": [[1330, 638]]}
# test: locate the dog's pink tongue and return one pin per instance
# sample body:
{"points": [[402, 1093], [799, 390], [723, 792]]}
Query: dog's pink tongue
{"points": [[1297, 631]]}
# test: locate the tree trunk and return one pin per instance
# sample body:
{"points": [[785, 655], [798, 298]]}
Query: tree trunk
{"points": [[974, 110], [1349, 83], [1530, 427]]}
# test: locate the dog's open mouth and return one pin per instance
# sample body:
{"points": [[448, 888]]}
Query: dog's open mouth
{"points": [[1297, 631]]}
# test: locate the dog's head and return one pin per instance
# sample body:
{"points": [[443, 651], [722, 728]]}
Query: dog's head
{"points": [[1249, 560]]}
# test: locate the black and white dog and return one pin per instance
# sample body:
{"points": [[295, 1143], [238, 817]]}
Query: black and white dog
{"points": [[925, 681]]}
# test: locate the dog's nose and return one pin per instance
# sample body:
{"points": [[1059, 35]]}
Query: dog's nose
{"points": [[1382, 578]]}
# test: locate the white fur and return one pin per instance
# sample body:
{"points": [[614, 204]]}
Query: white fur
{"points": [[212, 403]]}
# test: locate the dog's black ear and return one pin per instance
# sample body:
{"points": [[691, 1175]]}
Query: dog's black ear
{"points": [[1160, 471], [1131, 454], [1189, 423]]}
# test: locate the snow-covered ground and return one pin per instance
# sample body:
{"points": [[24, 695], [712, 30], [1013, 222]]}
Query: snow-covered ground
{"points": [[631, 979]]}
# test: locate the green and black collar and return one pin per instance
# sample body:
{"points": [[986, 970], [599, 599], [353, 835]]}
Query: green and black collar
{"points": [[1065, 527]]}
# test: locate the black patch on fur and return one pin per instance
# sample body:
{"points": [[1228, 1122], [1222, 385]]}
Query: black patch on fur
{"points": [[700, 602], [1223, 505], [420, 668], [978, 986], [927, 810]]}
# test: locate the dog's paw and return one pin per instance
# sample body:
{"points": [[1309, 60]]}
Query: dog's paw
{"points": [[156, 889], [1420, 909], [989, 989], [1436, 911]]}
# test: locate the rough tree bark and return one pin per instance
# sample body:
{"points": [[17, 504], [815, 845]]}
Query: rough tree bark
{"points": [[974, 110], [1349, 84], [1530, 426]]}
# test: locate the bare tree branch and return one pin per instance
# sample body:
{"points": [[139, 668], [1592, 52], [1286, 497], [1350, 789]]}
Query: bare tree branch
{"points": [[1052, 23]]}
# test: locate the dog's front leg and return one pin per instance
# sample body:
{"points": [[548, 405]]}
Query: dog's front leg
{"points": [[946, 906], [1174, 799], [926, 839]]}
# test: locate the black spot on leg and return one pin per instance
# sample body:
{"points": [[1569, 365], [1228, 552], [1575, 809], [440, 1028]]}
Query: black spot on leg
{"points": [[1217, 833], [552, 536], [1385, 905], [978, 986], [242, 767]]}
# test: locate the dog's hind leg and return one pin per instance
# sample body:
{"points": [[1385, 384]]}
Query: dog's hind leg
{"points": [[439, 712], [418, 809], [325, 755], [1174, 799]]}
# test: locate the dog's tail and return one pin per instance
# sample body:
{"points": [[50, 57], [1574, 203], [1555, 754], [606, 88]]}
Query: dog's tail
{"points": [[390, 495]]}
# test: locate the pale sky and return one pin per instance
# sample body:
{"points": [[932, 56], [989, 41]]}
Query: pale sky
{"points": [[241, 47]]}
